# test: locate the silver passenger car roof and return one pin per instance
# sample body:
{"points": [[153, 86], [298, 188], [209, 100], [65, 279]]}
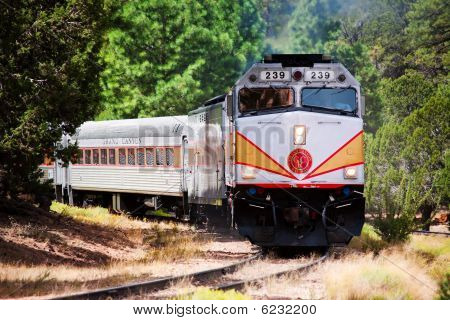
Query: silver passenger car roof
{"points": [[173, 126]]}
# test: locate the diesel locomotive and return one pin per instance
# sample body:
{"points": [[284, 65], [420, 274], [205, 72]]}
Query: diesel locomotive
{"points": [[280, 157]]}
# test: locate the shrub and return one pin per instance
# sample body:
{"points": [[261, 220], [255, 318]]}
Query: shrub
{"points": [[444, 288]]}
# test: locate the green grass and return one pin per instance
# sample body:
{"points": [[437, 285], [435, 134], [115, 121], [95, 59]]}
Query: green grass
{"points": [[369, 240], [160, 213], [211, 294], [96, 215]]}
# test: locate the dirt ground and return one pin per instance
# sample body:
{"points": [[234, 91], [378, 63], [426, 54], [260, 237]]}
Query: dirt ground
{"points": [[45, 254], [49, 253], [32, 236]]}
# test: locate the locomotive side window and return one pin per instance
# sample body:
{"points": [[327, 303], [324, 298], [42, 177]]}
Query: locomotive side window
{"points": [[95, 156], [112, 156], [149, 157], [87, 156], [131, 157], [103, 157], [256, 99], [141, 157], [170, 157], [159, 156], [122, 157]]}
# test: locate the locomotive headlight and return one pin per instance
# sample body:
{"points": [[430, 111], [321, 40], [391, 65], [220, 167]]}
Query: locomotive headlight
{"points": [[248, 172], [350, 173], [299, 135]]}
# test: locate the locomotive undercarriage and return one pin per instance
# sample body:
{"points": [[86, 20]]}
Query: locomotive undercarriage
{"points": [[298, 217]]}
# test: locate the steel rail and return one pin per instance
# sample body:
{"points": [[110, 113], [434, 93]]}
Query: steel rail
{"points": [[153, 285], [240, 284], [432, 232]]}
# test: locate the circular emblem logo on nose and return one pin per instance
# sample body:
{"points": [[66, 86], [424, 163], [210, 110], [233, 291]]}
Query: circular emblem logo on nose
{"points": [[299, 161]]}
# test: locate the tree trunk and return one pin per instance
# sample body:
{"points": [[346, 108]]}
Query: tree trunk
{"points": [[426, 211]]}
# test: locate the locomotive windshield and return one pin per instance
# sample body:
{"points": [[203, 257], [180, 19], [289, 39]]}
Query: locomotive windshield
{"points": [[337, 99], [256, 99]]}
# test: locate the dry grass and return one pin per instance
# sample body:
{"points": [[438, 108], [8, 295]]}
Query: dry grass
{"points": [[173, 245], [431, 253], [44, 280], [97, 215], [81, 248], [166, 241], [387, 276], [290, 286], [375, 270]]}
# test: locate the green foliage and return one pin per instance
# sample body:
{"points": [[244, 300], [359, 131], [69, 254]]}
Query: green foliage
{"points": [[403, 95], [167, 57], [444, 288], [428, 34], [312, 24], [390, 191], [408, 167], [369, 240], [407, 161], [277, 14], [48, 80]]}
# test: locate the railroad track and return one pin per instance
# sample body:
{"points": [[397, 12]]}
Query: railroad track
{"points": [[153, 285], [240, 284], [227, 284], [432, 232]]}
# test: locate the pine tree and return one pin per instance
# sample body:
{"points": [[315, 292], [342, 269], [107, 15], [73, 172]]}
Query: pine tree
{"points": [[48, 80], [167, 57]]}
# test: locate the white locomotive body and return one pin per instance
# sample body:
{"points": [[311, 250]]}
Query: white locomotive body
{"points": [[280, 157]]}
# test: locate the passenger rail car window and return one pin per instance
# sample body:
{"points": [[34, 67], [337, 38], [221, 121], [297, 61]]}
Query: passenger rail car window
{"points": [[149, 157], [257, 99], [341, 100], [87, 156], [112, 156], [122, 157], [95, 156], [159, 156], [103, 157], [170, 157], [141, 157], [131, 157]]}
